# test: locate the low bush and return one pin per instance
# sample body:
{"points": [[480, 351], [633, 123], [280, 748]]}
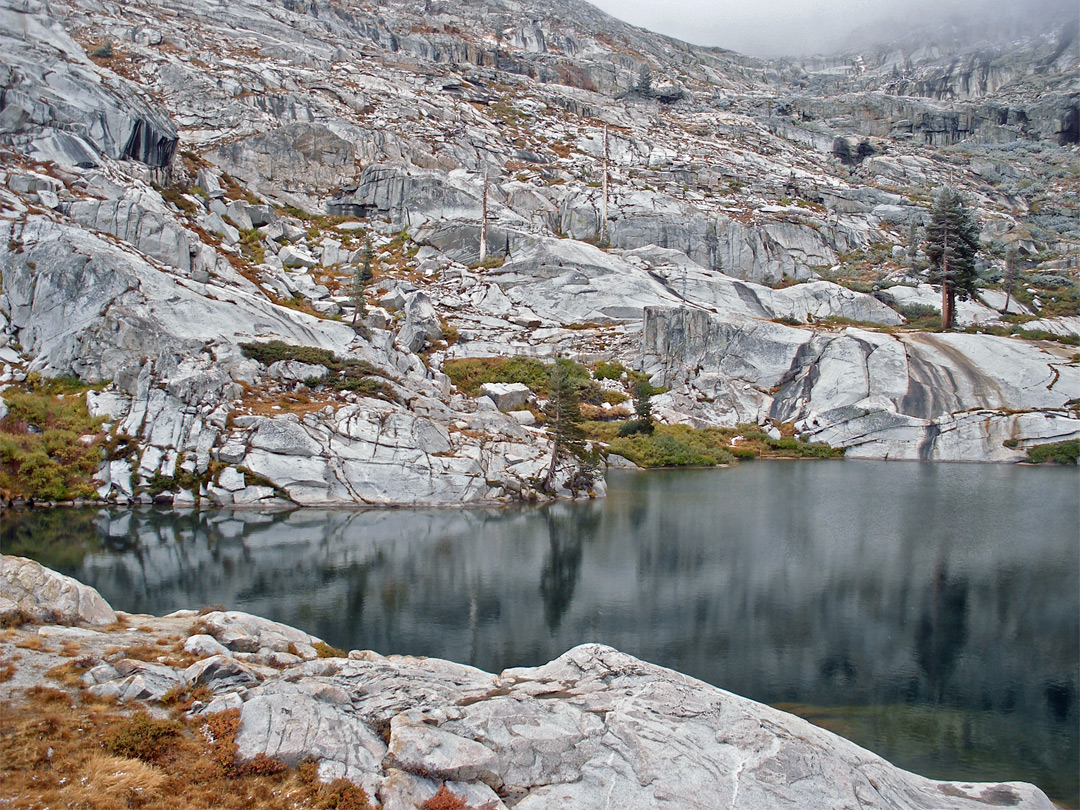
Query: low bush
{"points": [[143, 737], [674, 446], [1056, 453], [50, 446], [609, 371], [469, 373], [356, 376], [444, 800]]}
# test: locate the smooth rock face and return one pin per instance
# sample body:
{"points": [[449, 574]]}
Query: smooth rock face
{"points": [[42, 595], [946, 397]]}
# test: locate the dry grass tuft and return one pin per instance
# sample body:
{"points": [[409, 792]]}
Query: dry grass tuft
{"points": [[32, 643], [68, 749], [109, 782]]}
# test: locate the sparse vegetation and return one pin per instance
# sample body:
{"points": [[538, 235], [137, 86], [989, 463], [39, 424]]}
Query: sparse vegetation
{"points": [[674, 446], [50, 446], [357, 376], [468, 374], [64, 749]]}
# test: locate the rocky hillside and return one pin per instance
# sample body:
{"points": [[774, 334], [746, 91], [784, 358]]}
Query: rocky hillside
{"points": [[184, 182], [250, 712]]}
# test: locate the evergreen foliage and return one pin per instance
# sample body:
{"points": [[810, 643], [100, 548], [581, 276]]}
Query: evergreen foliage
{"points": [[361, 276], [644, 80], [643, 392], [563, 422], [952, 243]]}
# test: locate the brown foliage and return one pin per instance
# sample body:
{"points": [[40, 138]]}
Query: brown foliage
{"points": [[444, 800]]}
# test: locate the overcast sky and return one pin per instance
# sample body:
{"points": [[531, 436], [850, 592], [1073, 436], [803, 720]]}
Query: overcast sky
{"points": [[792, 27]]}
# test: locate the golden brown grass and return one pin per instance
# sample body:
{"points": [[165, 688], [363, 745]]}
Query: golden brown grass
{"points": [[68, 749], [108, 782], [32, 643]]}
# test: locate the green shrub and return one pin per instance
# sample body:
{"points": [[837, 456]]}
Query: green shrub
{"points": [[674, 446], [793, 447], [469, 373], [275, 350], [142, 737], [42, 452], [609, 371], [1042, 334], [357, 376], [1056, 453]]}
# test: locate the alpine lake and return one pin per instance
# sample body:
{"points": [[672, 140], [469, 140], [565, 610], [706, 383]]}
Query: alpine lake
{"points": [[928, 612]]}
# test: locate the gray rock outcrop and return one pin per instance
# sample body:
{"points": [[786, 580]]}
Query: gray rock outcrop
{"points": [[42, 595], [908, 396]]}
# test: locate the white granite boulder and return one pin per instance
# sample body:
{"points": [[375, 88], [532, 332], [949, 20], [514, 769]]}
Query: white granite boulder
{"points": [[42, 595]]}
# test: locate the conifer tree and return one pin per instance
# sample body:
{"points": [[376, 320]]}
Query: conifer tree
{"points": [[563, 424], [361, 276], [1010, 277], [952, 243]]}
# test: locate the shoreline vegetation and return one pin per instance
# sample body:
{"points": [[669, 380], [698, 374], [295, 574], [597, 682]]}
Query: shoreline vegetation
{"points": [[51, 448]]}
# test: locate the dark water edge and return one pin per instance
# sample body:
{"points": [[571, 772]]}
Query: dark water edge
{"points": [[929, 612]]}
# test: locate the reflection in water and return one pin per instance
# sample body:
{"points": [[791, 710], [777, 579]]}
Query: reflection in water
{"points": [[942, 631], [933, 607], [563, 563]]}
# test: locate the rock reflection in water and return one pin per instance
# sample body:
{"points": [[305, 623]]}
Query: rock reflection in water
{"points": [[828, 584]]}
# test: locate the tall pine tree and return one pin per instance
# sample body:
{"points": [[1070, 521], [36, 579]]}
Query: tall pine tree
{"points": [[362, 274], [952, 243], [562, 420]]}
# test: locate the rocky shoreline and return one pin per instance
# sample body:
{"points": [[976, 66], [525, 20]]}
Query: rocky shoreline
{"points": [[593, 728]]}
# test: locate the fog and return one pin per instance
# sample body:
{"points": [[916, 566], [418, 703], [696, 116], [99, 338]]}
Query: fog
{"points": [[802, 27]]}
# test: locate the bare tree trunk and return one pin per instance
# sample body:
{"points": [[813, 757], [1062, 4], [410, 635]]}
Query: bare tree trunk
{"points": [[946, 293], [483, 220], [604, 200]]}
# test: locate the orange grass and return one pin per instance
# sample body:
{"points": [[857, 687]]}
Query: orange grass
{"points": [[68, 749]]}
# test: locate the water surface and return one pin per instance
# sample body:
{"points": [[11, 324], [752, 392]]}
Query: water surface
{"points": [[930, 612]]}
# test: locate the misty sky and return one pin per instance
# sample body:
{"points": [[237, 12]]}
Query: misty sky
{"points": [[789, 27]]}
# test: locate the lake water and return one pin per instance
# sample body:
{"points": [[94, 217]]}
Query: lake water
{"points": [[930, 612]]}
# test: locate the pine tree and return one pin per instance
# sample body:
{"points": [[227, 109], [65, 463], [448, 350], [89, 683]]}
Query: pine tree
{"points": [[563, 424], [644, 80], [952, 243], [1010, 276], [361, 276]]}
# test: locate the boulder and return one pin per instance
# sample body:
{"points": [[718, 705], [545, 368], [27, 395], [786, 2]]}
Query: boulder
{"points": [[44, 596], [242, 632], [507, 396], [422, 324]]}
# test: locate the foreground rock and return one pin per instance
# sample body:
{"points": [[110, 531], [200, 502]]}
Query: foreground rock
{"points": [[31, 592], [594, 728]]}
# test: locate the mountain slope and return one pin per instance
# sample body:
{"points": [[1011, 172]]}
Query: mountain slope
{"points": [[185, 177]]}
